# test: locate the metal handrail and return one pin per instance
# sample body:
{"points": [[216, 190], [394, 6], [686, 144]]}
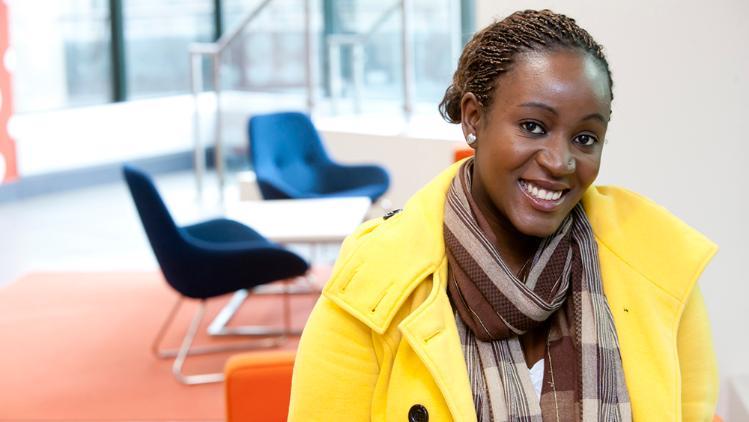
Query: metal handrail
{"points": [[336, 41], [339, 39], [383, 18], [228, 38], [408, 72], [215, 51]]}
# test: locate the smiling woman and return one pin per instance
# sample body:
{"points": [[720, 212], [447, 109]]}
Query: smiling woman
{"points": [[541, 138], [511, 288]]}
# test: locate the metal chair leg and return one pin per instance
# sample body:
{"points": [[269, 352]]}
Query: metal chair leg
{"points": [[155, 345], [218, 326], [184, 351], [195, 351]]}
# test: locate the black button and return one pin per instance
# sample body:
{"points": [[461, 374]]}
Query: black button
{"points": [[418, 413], [391, 213]]}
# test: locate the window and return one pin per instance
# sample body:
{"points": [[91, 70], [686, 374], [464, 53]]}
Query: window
{"points": [[62, 53], [81, 52], [270, 54], [436, 29], [157, 37]]}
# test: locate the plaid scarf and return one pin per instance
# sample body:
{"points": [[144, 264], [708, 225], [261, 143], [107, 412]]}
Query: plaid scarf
{"points": [[583, 378]]}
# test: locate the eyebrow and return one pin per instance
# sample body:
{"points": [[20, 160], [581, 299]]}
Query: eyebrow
{"points": [[595, 116]]}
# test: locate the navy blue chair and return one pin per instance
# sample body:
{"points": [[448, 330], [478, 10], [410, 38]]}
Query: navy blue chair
{"points": [[207, 260], [290, 162]]}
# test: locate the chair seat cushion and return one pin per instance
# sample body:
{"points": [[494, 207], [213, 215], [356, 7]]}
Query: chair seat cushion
{"points": [[223, 230]]}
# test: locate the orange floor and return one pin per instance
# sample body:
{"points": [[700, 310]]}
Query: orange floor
{"points": [[75, 347]]}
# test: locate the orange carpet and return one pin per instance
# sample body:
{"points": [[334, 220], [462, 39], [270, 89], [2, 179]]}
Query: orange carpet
{"points": [[76, 347]]}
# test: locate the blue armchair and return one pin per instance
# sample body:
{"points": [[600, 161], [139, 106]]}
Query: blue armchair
{"points": [[290, 162], [206, 260]]}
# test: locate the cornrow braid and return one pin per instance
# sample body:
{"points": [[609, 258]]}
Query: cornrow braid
{"points": [[491, 51]]}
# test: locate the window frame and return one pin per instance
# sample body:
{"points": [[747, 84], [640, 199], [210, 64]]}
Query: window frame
{"points": [[119, 65]]}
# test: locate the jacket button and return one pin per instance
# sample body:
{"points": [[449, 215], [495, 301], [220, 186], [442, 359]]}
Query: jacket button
{"points": [[418, 413], [391, 213]]}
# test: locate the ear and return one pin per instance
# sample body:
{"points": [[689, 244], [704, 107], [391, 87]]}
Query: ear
{"points": [[470, 114]]}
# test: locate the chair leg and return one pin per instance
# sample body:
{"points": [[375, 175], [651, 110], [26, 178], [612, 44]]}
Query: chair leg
{"points": [[218, 326], [287, 310], [184, 351], [200, 350], [155, 345]]}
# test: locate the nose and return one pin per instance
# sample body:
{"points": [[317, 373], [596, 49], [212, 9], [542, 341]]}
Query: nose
{"points": [[556, 157]]}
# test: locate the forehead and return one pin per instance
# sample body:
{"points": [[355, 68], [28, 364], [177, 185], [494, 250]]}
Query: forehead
{"points": [[556, 78]]}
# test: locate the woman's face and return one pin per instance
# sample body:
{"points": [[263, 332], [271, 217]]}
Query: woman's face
{"points": [[539, 145]]}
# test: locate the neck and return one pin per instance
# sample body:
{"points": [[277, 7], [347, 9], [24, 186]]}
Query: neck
{"points": [[515, 247]]}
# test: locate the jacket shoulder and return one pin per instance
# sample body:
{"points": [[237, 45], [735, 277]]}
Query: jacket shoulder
{"points": [[648, 238], [381, 264]]}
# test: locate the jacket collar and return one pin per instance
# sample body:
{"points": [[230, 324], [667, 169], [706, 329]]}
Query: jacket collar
{"points": [[397, 254], [648, 239], [387, 264], [387, 259], [383, 269]]}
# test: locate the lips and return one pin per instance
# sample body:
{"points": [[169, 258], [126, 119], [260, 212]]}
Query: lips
{"points": [[542, 198]]}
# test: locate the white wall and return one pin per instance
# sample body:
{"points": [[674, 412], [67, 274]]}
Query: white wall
{"points": [[681, 90], [411, 162]]}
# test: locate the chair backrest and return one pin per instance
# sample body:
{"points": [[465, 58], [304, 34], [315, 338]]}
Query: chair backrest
{"points": [[163, 234], [287, 147]]}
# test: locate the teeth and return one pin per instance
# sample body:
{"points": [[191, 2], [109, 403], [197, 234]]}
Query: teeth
{"points": [[541, 193]]}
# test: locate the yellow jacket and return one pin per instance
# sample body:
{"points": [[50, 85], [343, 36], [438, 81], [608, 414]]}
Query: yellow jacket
{"points": [[382, 338]]}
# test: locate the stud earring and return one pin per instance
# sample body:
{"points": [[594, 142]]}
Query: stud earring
{"points": [[471, 140]]}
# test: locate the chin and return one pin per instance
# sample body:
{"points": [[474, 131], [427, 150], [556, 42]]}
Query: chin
{"points": [[539, 227]]}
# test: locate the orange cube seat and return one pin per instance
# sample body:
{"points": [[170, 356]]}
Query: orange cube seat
{"points": [[258, 385]]}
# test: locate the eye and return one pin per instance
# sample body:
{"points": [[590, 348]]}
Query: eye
{"points": [[533, 127], [586, 140]]}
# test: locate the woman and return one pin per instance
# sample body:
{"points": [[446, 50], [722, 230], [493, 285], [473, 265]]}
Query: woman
{"points": [[509, 288]]}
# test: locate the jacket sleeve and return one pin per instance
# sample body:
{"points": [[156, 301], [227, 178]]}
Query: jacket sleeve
{"points": [[699, 373], [336, 368]]}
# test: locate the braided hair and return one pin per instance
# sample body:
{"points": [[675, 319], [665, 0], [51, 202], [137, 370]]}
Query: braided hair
{"points": [[489, 54]]}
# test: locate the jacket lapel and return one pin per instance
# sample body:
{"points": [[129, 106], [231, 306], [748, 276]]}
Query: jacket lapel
{"points": [[432, 334], [386, 266]]}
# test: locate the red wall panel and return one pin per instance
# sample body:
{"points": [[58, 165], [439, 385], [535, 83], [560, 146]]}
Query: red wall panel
{"points": [[8, 167]]}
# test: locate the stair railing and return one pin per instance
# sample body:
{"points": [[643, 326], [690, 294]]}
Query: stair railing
{"points": [[215, 51], [336, 42]]}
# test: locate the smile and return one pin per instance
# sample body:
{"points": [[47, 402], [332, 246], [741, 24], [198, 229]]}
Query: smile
{"points": [[541, 198]]}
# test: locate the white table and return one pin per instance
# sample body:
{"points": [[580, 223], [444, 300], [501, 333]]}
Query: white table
{"points": [[302, 220], [311, 221]]}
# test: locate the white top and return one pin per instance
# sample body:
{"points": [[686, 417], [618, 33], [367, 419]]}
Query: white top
{"points": [[537, 377]]}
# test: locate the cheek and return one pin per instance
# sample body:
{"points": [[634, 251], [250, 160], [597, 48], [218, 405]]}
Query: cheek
{"points": [[587, 170], [503, 154]]}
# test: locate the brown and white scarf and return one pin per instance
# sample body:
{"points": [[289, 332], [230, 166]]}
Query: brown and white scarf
{"points": [[583, 377]]}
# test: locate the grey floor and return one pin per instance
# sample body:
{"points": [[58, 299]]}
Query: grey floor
{"points": [[93, 229]]}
